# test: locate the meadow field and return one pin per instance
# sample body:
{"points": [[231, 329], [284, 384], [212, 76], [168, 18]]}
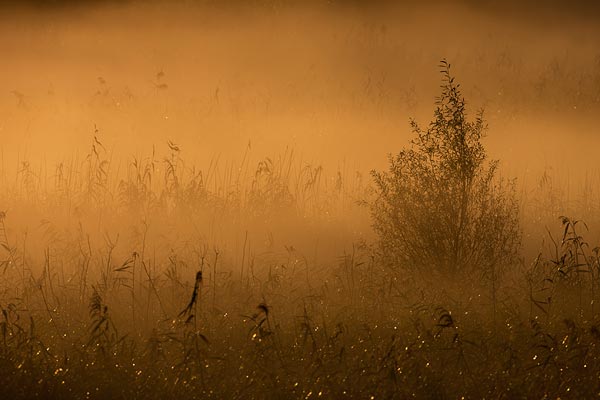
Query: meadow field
{"points": [[262, 200]]}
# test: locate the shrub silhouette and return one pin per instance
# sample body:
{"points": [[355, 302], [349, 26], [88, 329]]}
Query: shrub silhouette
{"points": [[440, 207]]}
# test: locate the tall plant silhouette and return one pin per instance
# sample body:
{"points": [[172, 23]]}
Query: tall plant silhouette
{"points": [[439, 206]]}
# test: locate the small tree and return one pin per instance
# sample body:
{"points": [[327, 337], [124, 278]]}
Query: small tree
{"points": [[439, 206]]}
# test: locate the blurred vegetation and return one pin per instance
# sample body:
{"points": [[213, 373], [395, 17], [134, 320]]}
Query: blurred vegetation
{"points": [[153, 279]]}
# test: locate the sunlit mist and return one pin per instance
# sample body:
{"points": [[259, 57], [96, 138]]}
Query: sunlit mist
{"points": [[286, 199]]}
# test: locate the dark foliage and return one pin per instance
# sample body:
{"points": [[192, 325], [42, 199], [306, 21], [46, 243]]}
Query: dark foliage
{"points": [[440, 207]]}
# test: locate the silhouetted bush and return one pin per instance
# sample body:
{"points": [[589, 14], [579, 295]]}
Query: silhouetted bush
{"points": [[440, 207]]}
